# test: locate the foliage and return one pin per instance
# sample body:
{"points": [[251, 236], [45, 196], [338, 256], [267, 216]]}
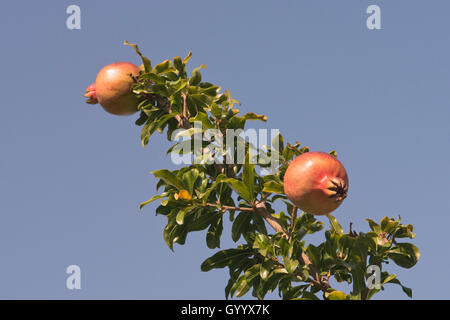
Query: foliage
{"points": [[200, 195]]}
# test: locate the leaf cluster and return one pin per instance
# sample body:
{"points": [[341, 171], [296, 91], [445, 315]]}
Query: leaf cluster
{"points": [[200, 195]]}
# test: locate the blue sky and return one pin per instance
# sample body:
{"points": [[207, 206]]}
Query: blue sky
{"points": [[72, 176]]}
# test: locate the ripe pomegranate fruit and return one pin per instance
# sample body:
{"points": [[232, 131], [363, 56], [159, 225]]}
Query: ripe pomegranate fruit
{"points": [[112, 89], [316, 182]]}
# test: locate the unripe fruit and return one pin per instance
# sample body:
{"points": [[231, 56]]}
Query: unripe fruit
{"points": [[316, 182], [112, 89]]}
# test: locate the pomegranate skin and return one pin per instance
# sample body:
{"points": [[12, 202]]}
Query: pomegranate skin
{"points": [[113, 88], [316, 182]]}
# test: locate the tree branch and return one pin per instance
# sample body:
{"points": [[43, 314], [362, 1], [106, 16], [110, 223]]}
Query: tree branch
{"points": [[227, 207], [184, 96], [293, 218], [260, 209]]}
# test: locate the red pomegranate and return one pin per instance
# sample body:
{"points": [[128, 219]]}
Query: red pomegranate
{"points": [[316, 182], [112, 89]]}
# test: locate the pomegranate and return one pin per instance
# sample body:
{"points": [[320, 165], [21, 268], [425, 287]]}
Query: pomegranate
{"points": [[316, 182], [112, 89]]}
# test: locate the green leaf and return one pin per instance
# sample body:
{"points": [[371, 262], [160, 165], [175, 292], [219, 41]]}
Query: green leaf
{"points": [[189, 179], [162, 67], [309, 296], [361, 248], [219, 179], [159, 123], [142, 119], [216, 111], [290, 264], [182, 213], [161, 90], [253, 116], [240, 224], [242, 287], [223, 258], [156, 78], [147, 128], [178, 64], [389, 278], [336, 295], [259, 223], [173, 232], [404, 232], [203, 118], [334, 225], [278, 142], [169, 178], [240, 188], [196, 77], [404, 255], [145, 61], [202, 219], [273, 187], [265, 269], [359, 281], [285, 247], [188, 57], [201, 101], [272, 282], [228, 288], [374, 226], [171, 75], [313, 253], [248, 176], [406, 290], [143, 204], [292, 150], [214, 233], [263, 245]]}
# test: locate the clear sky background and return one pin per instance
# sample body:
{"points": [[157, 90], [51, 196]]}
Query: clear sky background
{"points": [[72, 176]]}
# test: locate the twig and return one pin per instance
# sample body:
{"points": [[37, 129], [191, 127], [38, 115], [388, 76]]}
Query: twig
{"points": [[227, 207], [184, 96], [365, 294], [352, 232], [260, 209], [293, 218]]}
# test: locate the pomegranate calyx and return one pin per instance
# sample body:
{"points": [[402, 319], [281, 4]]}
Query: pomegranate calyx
{"points": [[91, 94], [338, 189]]}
